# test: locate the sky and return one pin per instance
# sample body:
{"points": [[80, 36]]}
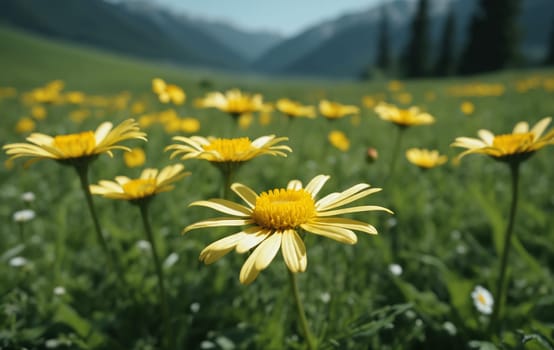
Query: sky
{"points": [[286, 17]]}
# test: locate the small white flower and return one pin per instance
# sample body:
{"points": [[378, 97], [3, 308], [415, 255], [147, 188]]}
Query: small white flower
{"points": [[325, 297], [195, 307], [483, 300], [450, 328], [52, 343], [28, 197], [171, 260], [59, 290], [395, 269], [144, 246], [24, 215], [206, 344], [18, 261]]}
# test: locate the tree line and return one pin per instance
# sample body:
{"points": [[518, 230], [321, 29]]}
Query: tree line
{"points": [[492, 43]]}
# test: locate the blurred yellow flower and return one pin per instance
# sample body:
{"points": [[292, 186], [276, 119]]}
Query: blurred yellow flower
{"points": [[77, 116], [334, 110], [369, 101], [273, 219], [395, 85], [221, 150], [135, 158], [467, 107], [245, 120], [190, 125], [234, 102], [424, 158], [511, 148], [25, 125], [7, 91], [168, 92], [339, 140], [403, 117], [38, 112], [138, 107], [265, 118], [293, 109], [74, 97], [73, 147], [151, 182], [404, 98], [430, 96]]}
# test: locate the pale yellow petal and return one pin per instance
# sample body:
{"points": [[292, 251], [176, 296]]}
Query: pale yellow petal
{"points": [[486, 136], [294, 185], [347, 223], [540, 127], [248, 272], [219, 248], [520, 128], [267, 250], [294, 251], [353, 210], [315, 185], [246, 193], [252, 238], [225, 206], [217, 222], [336, 233], [102, 131]]}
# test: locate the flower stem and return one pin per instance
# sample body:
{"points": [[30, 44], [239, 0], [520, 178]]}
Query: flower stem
{"points": [[159, 272], [21, 232], [301, 314], [501, 284], [82, 171], [395, 152]]}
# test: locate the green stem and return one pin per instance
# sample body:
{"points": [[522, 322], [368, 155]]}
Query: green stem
{"points": [[82, 171], [22, 232], [159, 272], [301, 314], [395, 152], [501, 284]]}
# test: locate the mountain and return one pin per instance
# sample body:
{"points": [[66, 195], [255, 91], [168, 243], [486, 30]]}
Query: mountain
{"points": [[135, 30], [345, 46], [249, 44]]}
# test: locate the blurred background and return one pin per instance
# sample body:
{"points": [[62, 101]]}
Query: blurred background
{"points": [[349, 39]]}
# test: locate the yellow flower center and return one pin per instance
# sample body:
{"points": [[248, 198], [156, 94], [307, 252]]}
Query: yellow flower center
{"points": [[282, 209], [514, 143], [230, 149], [140, 188], [75, 145]]}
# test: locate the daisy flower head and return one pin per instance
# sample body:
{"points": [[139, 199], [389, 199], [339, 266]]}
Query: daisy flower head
{"points": [[150, 182], [293, 109], [233, 102], [511, 148], [74, 149], [483, 300], [168, 92], [272, 221], [403, 117], [332, 110], [425, 158], [227, 150]]}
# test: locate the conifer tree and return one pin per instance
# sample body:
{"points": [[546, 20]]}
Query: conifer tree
{"points": [[383, 54], [550, 54], [415, 58], [493, 38], [446, 61]]}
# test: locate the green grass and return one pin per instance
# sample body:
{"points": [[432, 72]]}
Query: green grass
{"points": [[448, 221]]}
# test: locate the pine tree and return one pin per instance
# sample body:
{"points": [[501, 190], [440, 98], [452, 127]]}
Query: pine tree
{"points": [[415, 58], [550, 55], [493, 38], [445, 63], [383, 61]]}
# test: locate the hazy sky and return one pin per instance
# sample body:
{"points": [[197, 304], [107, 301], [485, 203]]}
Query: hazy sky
{"points": [[283, 16]]}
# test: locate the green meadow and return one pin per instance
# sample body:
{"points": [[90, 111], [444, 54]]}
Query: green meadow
{"points": [[446, 234]]}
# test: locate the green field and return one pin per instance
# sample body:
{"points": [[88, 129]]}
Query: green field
{"points": [[446, 233]]}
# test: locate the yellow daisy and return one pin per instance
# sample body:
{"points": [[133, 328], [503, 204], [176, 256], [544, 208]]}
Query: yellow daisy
{"points": [[234, 102], [424, 158], [273, 218], [293, 109], [168, 92], [222, 150], [79, 146], [514, 147], [334, 110], [403, 117], [150, 182], [339, 140], [135, 158]]}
